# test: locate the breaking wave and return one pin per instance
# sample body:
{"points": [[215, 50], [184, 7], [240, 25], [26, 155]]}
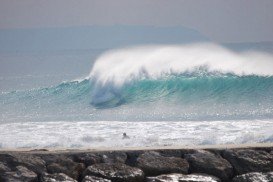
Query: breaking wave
{"points": [[199, 81]]}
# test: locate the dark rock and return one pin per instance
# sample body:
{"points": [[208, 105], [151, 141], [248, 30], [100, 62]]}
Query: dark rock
{"points": [[187, 151], [247, 160], [171, 153], [175, 177], [4, 168], [20, 174], [114, 157], [206, 162], [39, 150], [132, 157], [57, 177], [102, 157], [115, 172], [95, 179], [152, 163], [51, 158], [254, 177], [88, 158], [32, 162], [66, 166]]}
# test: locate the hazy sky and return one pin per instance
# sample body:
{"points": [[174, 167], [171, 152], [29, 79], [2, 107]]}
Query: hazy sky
{"points": [[220, 20]]}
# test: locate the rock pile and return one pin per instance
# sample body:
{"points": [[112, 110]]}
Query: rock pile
{"points": [[183, 165]]}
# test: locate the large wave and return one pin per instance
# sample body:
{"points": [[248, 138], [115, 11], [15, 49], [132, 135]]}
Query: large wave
{"points": [[171, 69], [190, 82]]}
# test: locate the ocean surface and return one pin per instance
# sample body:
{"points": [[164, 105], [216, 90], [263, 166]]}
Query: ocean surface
{"points": [[161, 95]]}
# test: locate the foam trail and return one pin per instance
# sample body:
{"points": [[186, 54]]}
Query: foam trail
{"points": [[118, 67]]}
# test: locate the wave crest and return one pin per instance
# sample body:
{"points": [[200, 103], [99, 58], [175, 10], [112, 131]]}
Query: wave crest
{"points": [[118, 68]]}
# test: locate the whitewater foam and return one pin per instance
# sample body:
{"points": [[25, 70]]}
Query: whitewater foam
{"points": [[85, 134]]}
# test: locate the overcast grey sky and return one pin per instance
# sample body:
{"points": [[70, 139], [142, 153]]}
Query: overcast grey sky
{"points": [[220, 20]]}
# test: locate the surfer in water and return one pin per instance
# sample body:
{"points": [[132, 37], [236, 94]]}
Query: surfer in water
{"points": [[125, 136]]}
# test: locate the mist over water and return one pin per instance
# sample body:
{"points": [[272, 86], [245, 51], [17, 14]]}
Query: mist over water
{"points": [[166, 84]]}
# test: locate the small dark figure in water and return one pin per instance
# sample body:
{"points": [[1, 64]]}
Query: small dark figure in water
{"points": [[125, 136]]}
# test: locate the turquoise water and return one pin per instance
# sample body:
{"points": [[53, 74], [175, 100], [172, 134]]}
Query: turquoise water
{"points": [[171, 95], [179, 97]]}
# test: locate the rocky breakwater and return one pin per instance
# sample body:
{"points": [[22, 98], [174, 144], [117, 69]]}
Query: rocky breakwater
{"points": [[164, 165]]}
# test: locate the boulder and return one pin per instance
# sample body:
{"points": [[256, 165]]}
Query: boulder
{"points": [[20, 174], [102, 157], [175, 177], [94, 179], [4, 168], [32, 162], [51, 157], [115, 172], [88, 158], [56, 177], [132, 157], [66, 166], [152, 163], [170, 153], [254, 177], [247, 160], [114, 157], [206, 162]]}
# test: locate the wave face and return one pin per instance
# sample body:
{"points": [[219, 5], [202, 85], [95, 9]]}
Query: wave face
{"points": [[193, 82]]}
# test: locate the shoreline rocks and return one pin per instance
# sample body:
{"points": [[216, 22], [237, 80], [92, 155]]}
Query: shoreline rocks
{"points": [[254, 176], [115, 172], [152, 163], [183, 178], [208, 163], [248, 160], [173, 165]]}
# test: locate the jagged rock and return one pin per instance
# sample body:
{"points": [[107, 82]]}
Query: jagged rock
{"points": [[175, 177], [88, 158], [20, 174], [57, 177], [114, 157], [102, 157], [94, 179], [115, 172], [132, 157], [206, 162], [270, 175], [4, 168], [51, 158], [247, 160], [152, 163], [32, 162], [66, 166], [254, 177]]}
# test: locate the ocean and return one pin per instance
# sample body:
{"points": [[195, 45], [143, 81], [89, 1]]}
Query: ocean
{"points": [[160, 95]]}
